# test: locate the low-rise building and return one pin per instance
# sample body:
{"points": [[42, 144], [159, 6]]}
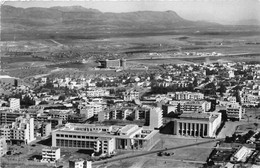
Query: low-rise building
{"points": [[241, 154], [80, 163], [50, 155]]}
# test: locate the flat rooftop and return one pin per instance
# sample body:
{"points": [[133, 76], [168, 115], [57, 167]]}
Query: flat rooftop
{"points": [[82, 129], [199, 116]]}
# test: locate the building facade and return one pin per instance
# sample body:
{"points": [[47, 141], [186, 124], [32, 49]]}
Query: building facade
{"points": [[155, 117], [20, 131], [50, 155], [234, 111], [3, 146], [14, 103], [131, 95], [80, 163], [45, 129], [103, 139], [8, 117], [194, 124]]}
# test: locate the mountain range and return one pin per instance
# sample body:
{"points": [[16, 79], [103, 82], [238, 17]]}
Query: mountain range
{"points": [[83, 20]]}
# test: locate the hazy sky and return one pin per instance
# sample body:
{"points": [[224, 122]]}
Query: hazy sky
{"points": [[222, 11]]}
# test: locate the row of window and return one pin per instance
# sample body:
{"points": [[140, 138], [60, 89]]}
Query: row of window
{"points": [[74, 143], [75, 136]]}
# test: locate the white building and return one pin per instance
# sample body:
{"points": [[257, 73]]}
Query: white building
{"points": [[196, 106], [241, 154], [89, 110], [197, 124], [234, 111], [131, 95], [80, 163], [14, 103], [155, 117], [105, 144], [188, 96], [50, 155], [45, 129], [97, 93], [249, 100], [101, 138], [20, 131]]}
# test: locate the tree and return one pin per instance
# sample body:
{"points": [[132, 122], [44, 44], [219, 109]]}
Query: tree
{"points": [[195, 82], [222, 89], [62, 97]]}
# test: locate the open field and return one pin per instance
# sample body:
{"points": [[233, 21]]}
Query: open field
{"points": [[36, 50], [186, 157]]}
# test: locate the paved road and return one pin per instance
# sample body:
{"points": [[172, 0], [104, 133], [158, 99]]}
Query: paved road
{"points": [[152, 152]]}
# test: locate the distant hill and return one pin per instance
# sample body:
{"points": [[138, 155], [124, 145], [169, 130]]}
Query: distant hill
{"points": [[249, 22], [75, 19]]}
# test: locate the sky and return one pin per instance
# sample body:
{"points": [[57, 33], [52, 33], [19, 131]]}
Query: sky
{"points": [[220, 11]]}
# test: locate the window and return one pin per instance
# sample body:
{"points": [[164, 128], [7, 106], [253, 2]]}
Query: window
{"points": [[62, 135], [66, 136], [70, 136], [79, 136], [74, 136], [57, 135]]}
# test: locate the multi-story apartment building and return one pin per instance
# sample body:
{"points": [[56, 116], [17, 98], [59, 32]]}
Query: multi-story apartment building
{"points": [[197, 124], [14, 103], [155, 117], [62, 114], [20, 131], [186, 106], [89, 110], [188, 96], [234, 111], [97, 93], [104, 139], [45, 129], [249, 100], [121, 113], [8, 117], [3, 146], [131, 95], [50, 155], [196, 106]]}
